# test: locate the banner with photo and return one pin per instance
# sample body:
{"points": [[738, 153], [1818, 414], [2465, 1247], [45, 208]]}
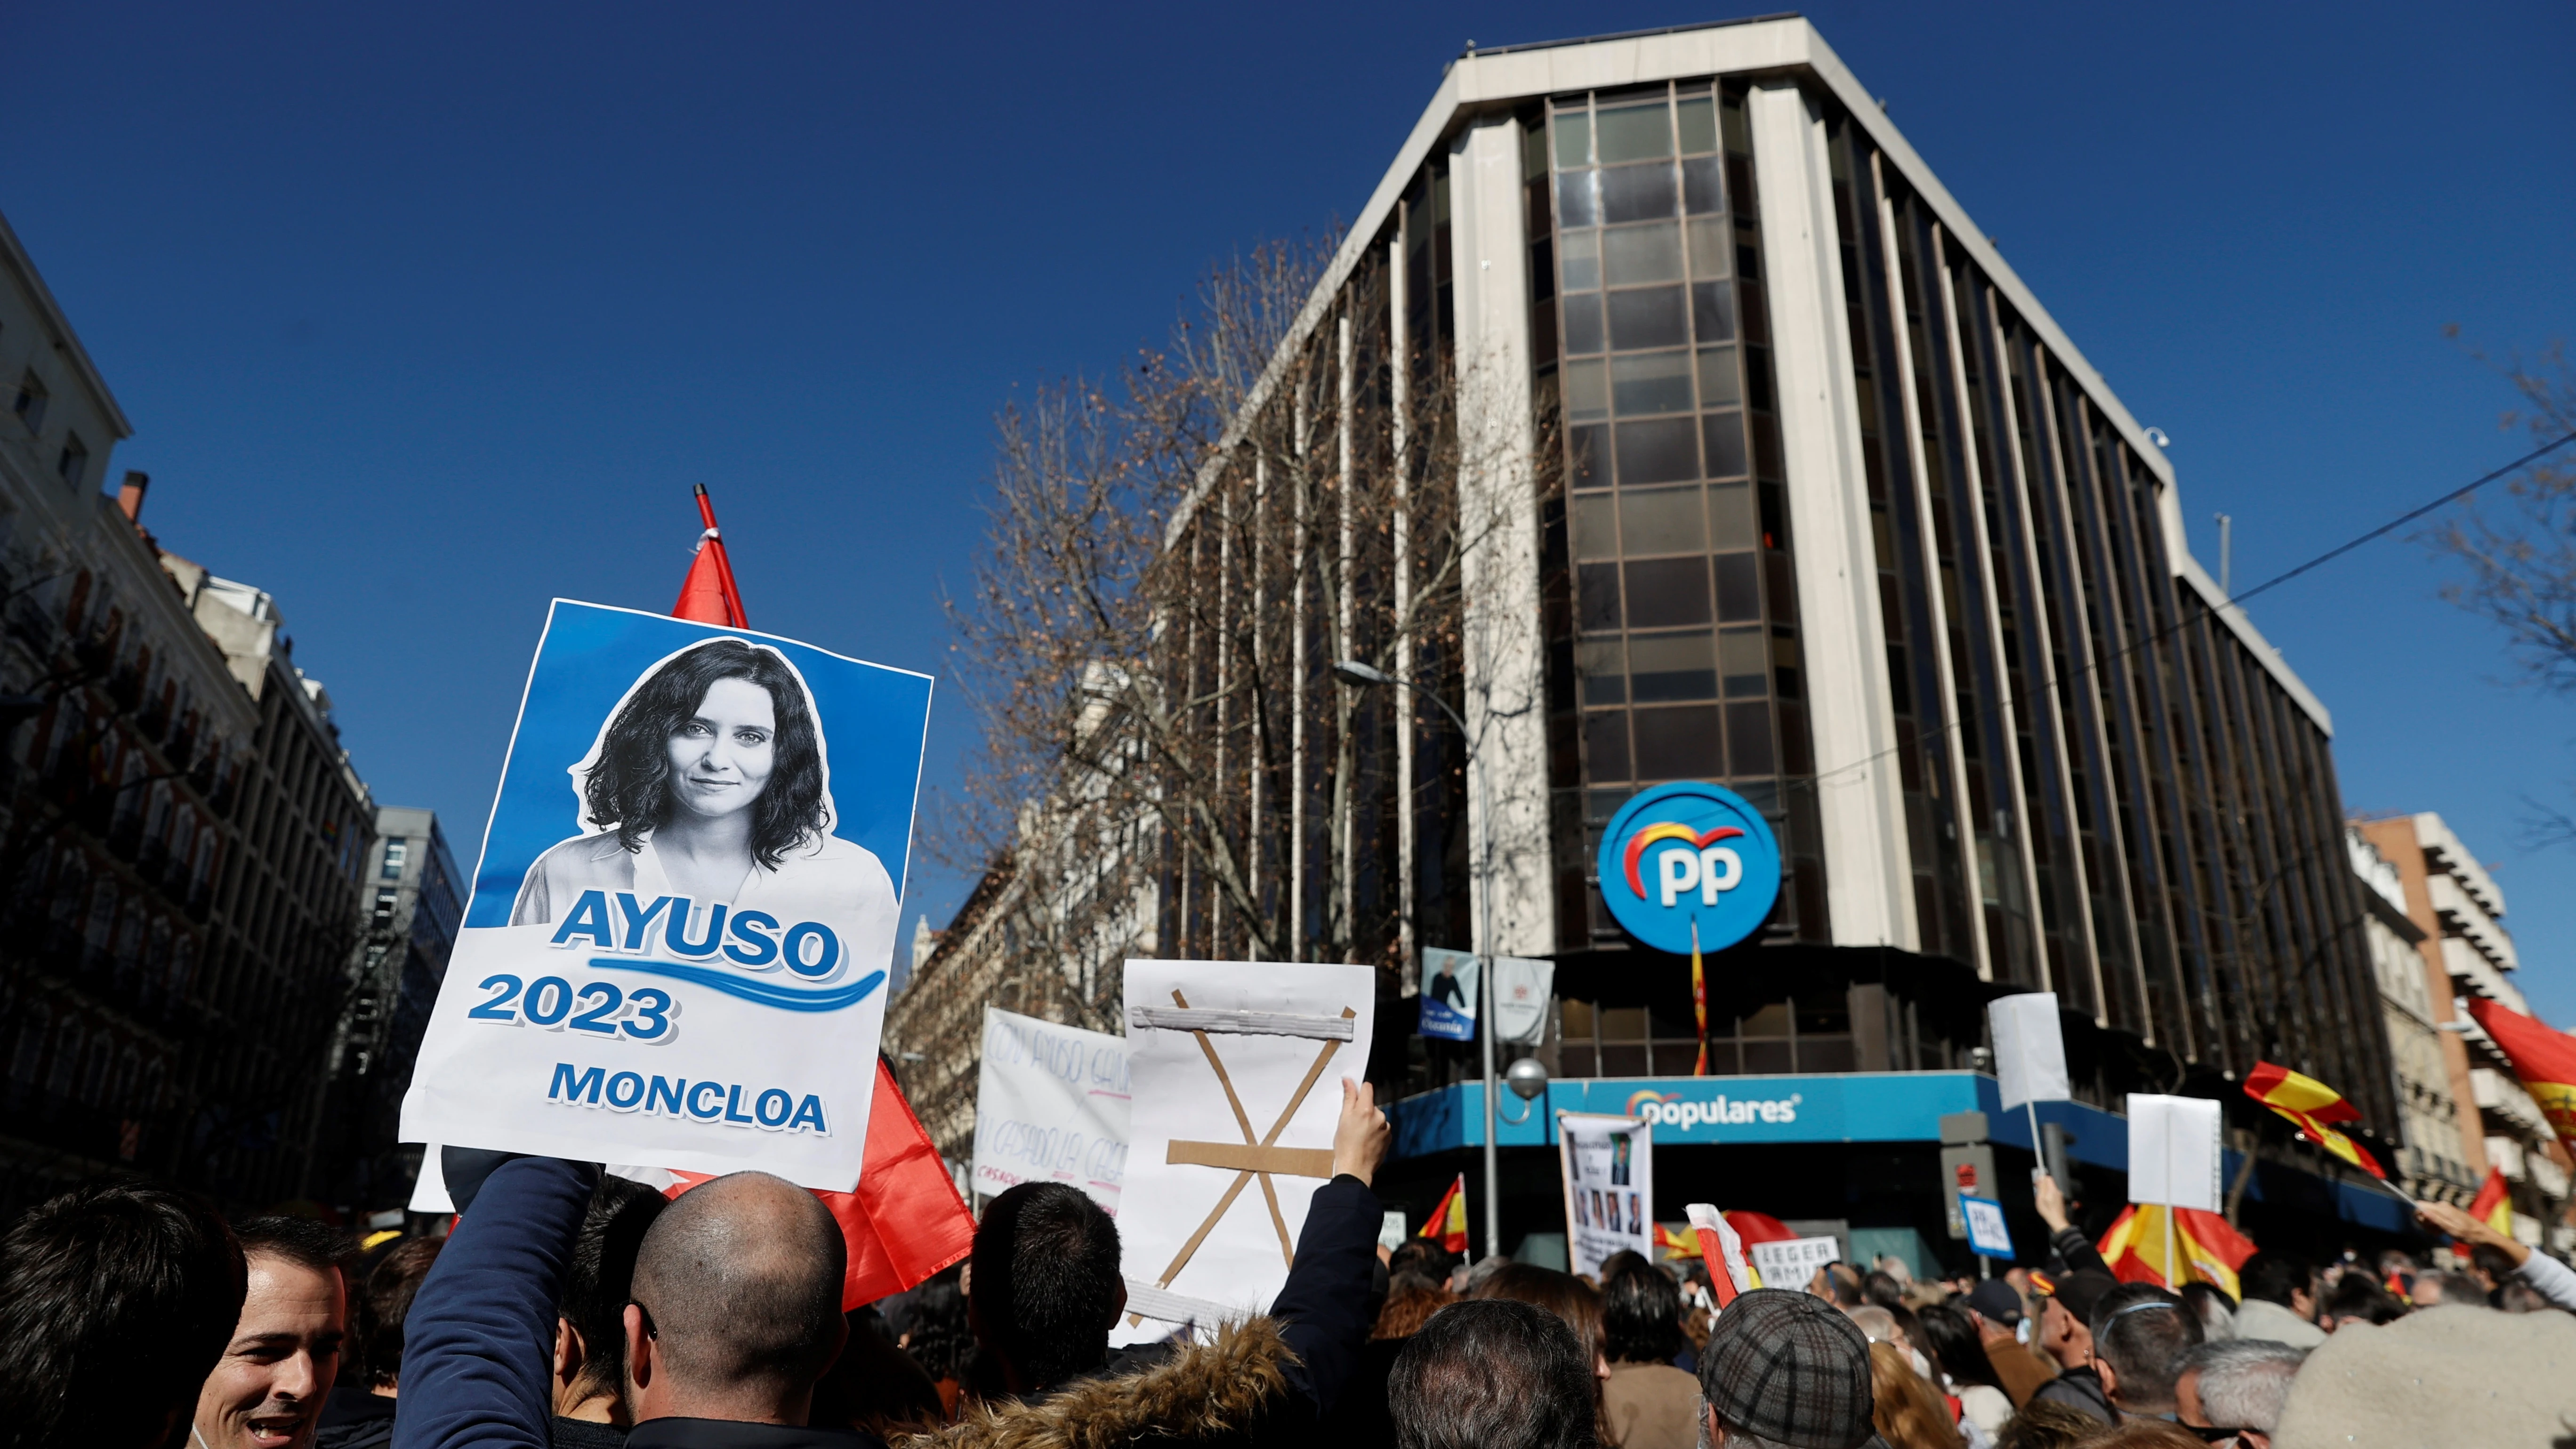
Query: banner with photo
{"points": [[1609, 1172], [677, 946], [1051, 1105]]}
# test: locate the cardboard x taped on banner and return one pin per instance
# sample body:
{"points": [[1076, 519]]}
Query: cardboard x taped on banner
{"points": [[1252, 1159]]}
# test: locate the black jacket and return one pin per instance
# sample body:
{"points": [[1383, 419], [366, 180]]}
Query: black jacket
{"points": [[353, 1418], [2079, 1389]]}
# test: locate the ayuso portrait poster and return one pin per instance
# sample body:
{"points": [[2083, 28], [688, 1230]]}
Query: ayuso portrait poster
{"points": [[677, 948]]}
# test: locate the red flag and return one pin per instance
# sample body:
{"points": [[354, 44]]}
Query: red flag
{"points": [[708, 596], [1447, 1224], [2544, 1059], [904, 1187], [2311, 1105], [2493, 1205], [2211, 1251]]}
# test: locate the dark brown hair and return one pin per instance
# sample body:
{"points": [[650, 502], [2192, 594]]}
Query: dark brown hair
{"points": [[630, 783]]}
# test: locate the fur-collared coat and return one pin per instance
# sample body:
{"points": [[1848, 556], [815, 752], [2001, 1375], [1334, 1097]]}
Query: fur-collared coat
{"points": [[1235, 1390]]}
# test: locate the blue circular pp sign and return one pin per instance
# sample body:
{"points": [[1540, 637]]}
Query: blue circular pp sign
{"points": [[1689, 864]]}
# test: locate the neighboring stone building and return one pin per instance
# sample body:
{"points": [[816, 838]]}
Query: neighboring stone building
{"points": [[2458, 910], [2431, 1164]]}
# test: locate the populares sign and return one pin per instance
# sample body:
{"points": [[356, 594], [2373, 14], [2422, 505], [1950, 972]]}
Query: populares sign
{"points": [[1689, 867], [677, 946]]}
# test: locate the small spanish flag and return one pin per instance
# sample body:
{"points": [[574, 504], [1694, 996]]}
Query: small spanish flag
{"points": [[2211, 1251], [1682, 1244], [1447, 1224], [2310, 1105], [2543, 1058], [2493, 1205]]}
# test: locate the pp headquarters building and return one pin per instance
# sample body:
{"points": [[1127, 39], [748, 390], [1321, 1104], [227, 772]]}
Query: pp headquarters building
{"points": [[1765, 470]]}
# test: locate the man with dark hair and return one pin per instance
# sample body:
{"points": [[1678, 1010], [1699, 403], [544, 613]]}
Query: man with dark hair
{"points": [[1043, 1287], [360, 1412], [1492, 1373], [2357, 1298], [2279, 1300], [590, 1316], [2066, 1335], [1648, 1402], [2239, 1384], [2139, 1330], [268, 1388], [114, 1302], [1839, 1285], [1785, 1368]]}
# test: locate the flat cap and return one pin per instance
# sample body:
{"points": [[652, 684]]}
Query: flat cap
{"points": [[1790, 1368]]}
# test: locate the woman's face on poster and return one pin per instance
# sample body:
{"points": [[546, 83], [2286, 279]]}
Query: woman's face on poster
{"points": [[721, 758]]}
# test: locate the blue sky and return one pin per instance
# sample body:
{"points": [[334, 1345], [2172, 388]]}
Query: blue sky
{"points": [[423, 318]]}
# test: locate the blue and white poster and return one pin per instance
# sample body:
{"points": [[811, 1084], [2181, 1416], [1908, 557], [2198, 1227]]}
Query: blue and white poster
{"points": [[1449, 994], [677, 948]]}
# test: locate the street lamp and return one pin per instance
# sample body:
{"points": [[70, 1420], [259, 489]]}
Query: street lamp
{"points": [[1351, 671]]}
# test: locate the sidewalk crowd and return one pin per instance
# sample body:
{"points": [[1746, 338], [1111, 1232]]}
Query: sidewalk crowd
{"points": [[571, 1309]]}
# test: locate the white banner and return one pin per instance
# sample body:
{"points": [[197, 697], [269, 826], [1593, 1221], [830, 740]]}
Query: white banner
{"points": [[2173, 1151], [1236, 1070], [2030, 1049], [1792, 1263], [1609, 1166], [1522, 990], [1050, 1106], [678, 940]]}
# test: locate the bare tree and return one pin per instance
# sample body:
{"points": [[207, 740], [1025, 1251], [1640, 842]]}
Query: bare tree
{"points": [[2520, 557], [1174, 562]]}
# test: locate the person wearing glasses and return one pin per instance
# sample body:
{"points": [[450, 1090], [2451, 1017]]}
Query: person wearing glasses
{"points": [[2231, 1392]]}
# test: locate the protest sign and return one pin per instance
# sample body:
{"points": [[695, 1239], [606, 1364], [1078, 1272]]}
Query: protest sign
{"points": [[1790, 1264], [2173, 1151], [2030, 1049], [1722, 1250], [681, 925], [1050, 1106], [1987, 1235], [1236, 1071], [1522, 990], [1449, 994], [1609, 1170]]}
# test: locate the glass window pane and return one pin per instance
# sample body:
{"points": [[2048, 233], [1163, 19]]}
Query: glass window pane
{"points": [[1671, 666], [1577, 202], [1637, 193], [1587, 391], [1596, 593], [1743, 656], [1696, 119], [1739, 589], [1668, 593], [1573, 139], [1724, 433], [1767, 1058], [1678, 744], [1661, 520], [1648, 317], [1702, 191], [1583, 322], [1654, 382], [1748, 733], [1717, 387], [1661, 451], [1730, 516], [1636, 133], [1710, 247], [1605, 745], [1600, 664], [1588, 464], [1636, 254], [1595, 526], [1713, 312], [1582, 252]]}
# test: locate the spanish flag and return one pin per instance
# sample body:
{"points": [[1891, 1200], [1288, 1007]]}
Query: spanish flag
{"points": [[2545, 1060], [1447, 1224], [2210, 1250], [2311, 1104], [2493, 1205], [1682, 1244]]}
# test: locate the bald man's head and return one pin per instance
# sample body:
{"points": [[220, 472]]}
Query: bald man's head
{"points": [[740, 1281]]}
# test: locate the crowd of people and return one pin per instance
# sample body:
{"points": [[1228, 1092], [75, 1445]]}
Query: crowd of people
{"points": [[568, 1308]]}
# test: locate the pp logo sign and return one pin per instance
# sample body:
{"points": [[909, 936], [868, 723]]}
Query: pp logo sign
{"points": [[1689, 865]]}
